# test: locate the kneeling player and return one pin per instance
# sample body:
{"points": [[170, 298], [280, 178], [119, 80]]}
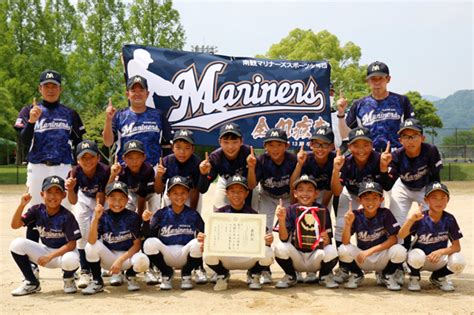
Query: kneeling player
{"points": [[237, 191], [58, 231], [432, 229], [173, 235], [376, 232], [114, 240], [305, 233]]}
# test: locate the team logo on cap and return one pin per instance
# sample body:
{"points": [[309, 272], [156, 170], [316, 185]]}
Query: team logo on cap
{"points": [[375, 68], [132, 145], [321, 132], [229, 127], [85, 145], [177, 180], [359, 132], [274, 134], [237, 178], [49, 75], [117, 185], [369, 185], [183, 133], [437, 185], [55, 180], [137, 79], [305, 177], [408, 123]]}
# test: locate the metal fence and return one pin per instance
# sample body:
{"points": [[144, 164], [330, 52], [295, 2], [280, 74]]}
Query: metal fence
{"points": [[454, 152]]}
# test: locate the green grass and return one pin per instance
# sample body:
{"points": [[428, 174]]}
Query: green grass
{"points": [[8, 175], [457, 171]]}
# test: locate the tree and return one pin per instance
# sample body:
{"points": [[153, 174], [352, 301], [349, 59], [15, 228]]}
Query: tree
{"points": [[7, 119], [346, 73], [155, 24], [425, 111], [462, 137]]}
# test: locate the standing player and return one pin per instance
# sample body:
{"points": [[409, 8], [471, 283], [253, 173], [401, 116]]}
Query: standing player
{"points": [[381, 112], [58, 231], [433, 228]]}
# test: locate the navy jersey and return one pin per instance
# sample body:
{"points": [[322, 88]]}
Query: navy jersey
{"points": [[381, 117], [90, 186], [55, 231], [189, 169], [322, 174], [419, 171], [228, 209], [50, 138], [431, 236], [273, 178], [374, 231], [175, 229], [142, 183], [149, 127], [118, 230], [352, 175]]}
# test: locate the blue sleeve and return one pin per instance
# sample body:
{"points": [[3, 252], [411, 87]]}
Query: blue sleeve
{"points": [[390, 223], [78, 129], [351, 118], [454, 230]]}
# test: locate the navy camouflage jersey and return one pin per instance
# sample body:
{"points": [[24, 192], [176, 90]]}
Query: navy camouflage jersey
{"points": [[431, 236], [90, 186], [273, 178], [322, 174], [172, 228], [51, 137], [149, 127], [419, 171], [55, 231], [141, 183], [381, 117], [376, 230], [118, 230], [189, 169], [352, 175]]}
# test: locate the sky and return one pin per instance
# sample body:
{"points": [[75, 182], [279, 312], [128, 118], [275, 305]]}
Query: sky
{"points": [[428, 45]]}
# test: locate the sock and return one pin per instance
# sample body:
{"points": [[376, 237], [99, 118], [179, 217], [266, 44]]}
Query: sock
{"points": [[443, 272], [326, 267], [287, 266], [191, 264], [219, 269], [257, 269], [96, 272], [159, 262], [68, 274], [84, 264], [130, 272], [414, 272], [354, 268], [24, 264], [390, 268]]}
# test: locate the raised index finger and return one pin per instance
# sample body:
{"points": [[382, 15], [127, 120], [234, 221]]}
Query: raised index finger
{"points": [[251, 150], [281, 202], [387, 149], [302, 147], [34, 102], [341, 93], [207, 157], [338, 152]]}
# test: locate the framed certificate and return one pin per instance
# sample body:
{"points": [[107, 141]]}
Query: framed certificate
{"points": [[235, 234]]}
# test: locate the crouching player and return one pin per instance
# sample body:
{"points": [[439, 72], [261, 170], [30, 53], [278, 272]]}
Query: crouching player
{"points": [[376, 233], [237, 191], [58, 230], [305, 233], [114, 240], [172, 235], [432, 229]]}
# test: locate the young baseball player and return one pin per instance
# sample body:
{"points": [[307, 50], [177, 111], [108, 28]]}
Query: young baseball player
{"points": [[433, 228], [58, 230], [114, 241], [85, 185], [230, 159], [376, 231], [362, 164], [174, 236], [305, 233], [271, 171], [237, 191]]}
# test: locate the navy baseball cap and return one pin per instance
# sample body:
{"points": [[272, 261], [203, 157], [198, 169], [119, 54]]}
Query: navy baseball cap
{"points": [[133, 145], [53, 181], [435, 186], [237, 180], [370, 186], [359, 133], [178, 180], [116, 186], [184, 134], [230, 128], [86, 146], [275, 134], [377, 69], [411, 123], [50, 76], [323, 133], [137, 79], [305, 179]]}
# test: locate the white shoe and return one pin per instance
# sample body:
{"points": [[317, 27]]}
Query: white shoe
{"points": [[93, 288], [399, 276], [116, 279], [70, 286], [443, 283], [286, 282], [132, 284], [150, 277], [105, 273], [311, 277], [353, 281], [255, 283], [222, 282], [378, 278], [200, 276], [328, 281], [213, 278], [36, 271], [84, 280], [26, 288], [391, 283], [414, 284], [341, 276], [186, 283], [166, 283], [266, 277], [299, 277]]}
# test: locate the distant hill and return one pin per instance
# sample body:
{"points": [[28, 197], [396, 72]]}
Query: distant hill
{"points": [[457, 110], [431, 98]]}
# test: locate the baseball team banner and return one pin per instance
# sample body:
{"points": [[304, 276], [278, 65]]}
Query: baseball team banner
{"points": [[201, 92]]}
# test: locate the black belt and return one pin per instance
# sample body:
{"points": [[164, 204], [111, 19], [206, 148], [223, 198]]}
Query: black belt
{"points": [[50, 163]]}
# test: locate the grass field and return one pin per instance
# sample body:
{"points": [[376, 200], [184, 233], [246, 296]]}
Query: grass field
{"points": [[8, 175]]}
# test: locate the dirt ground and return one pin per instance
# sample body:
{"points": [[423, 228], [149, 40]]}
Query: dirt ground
{"points": [[303, 298]]}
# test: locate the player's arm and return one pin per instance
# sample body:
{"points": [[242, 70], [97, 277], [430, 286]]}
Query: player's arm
{"points": [[342, 104], [117, 265], [108, 134], [362, 256], [251, 166], [206, 176], [336, 186], [94, 229], [69, 246], [281, 216], [435, 256], [413, 217], [141, 203], [17, 221], [301, 157], [349, 218], [29, 117], [70, 185], [194, 197], [100, 197], [160, 172], [326, 198]]}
